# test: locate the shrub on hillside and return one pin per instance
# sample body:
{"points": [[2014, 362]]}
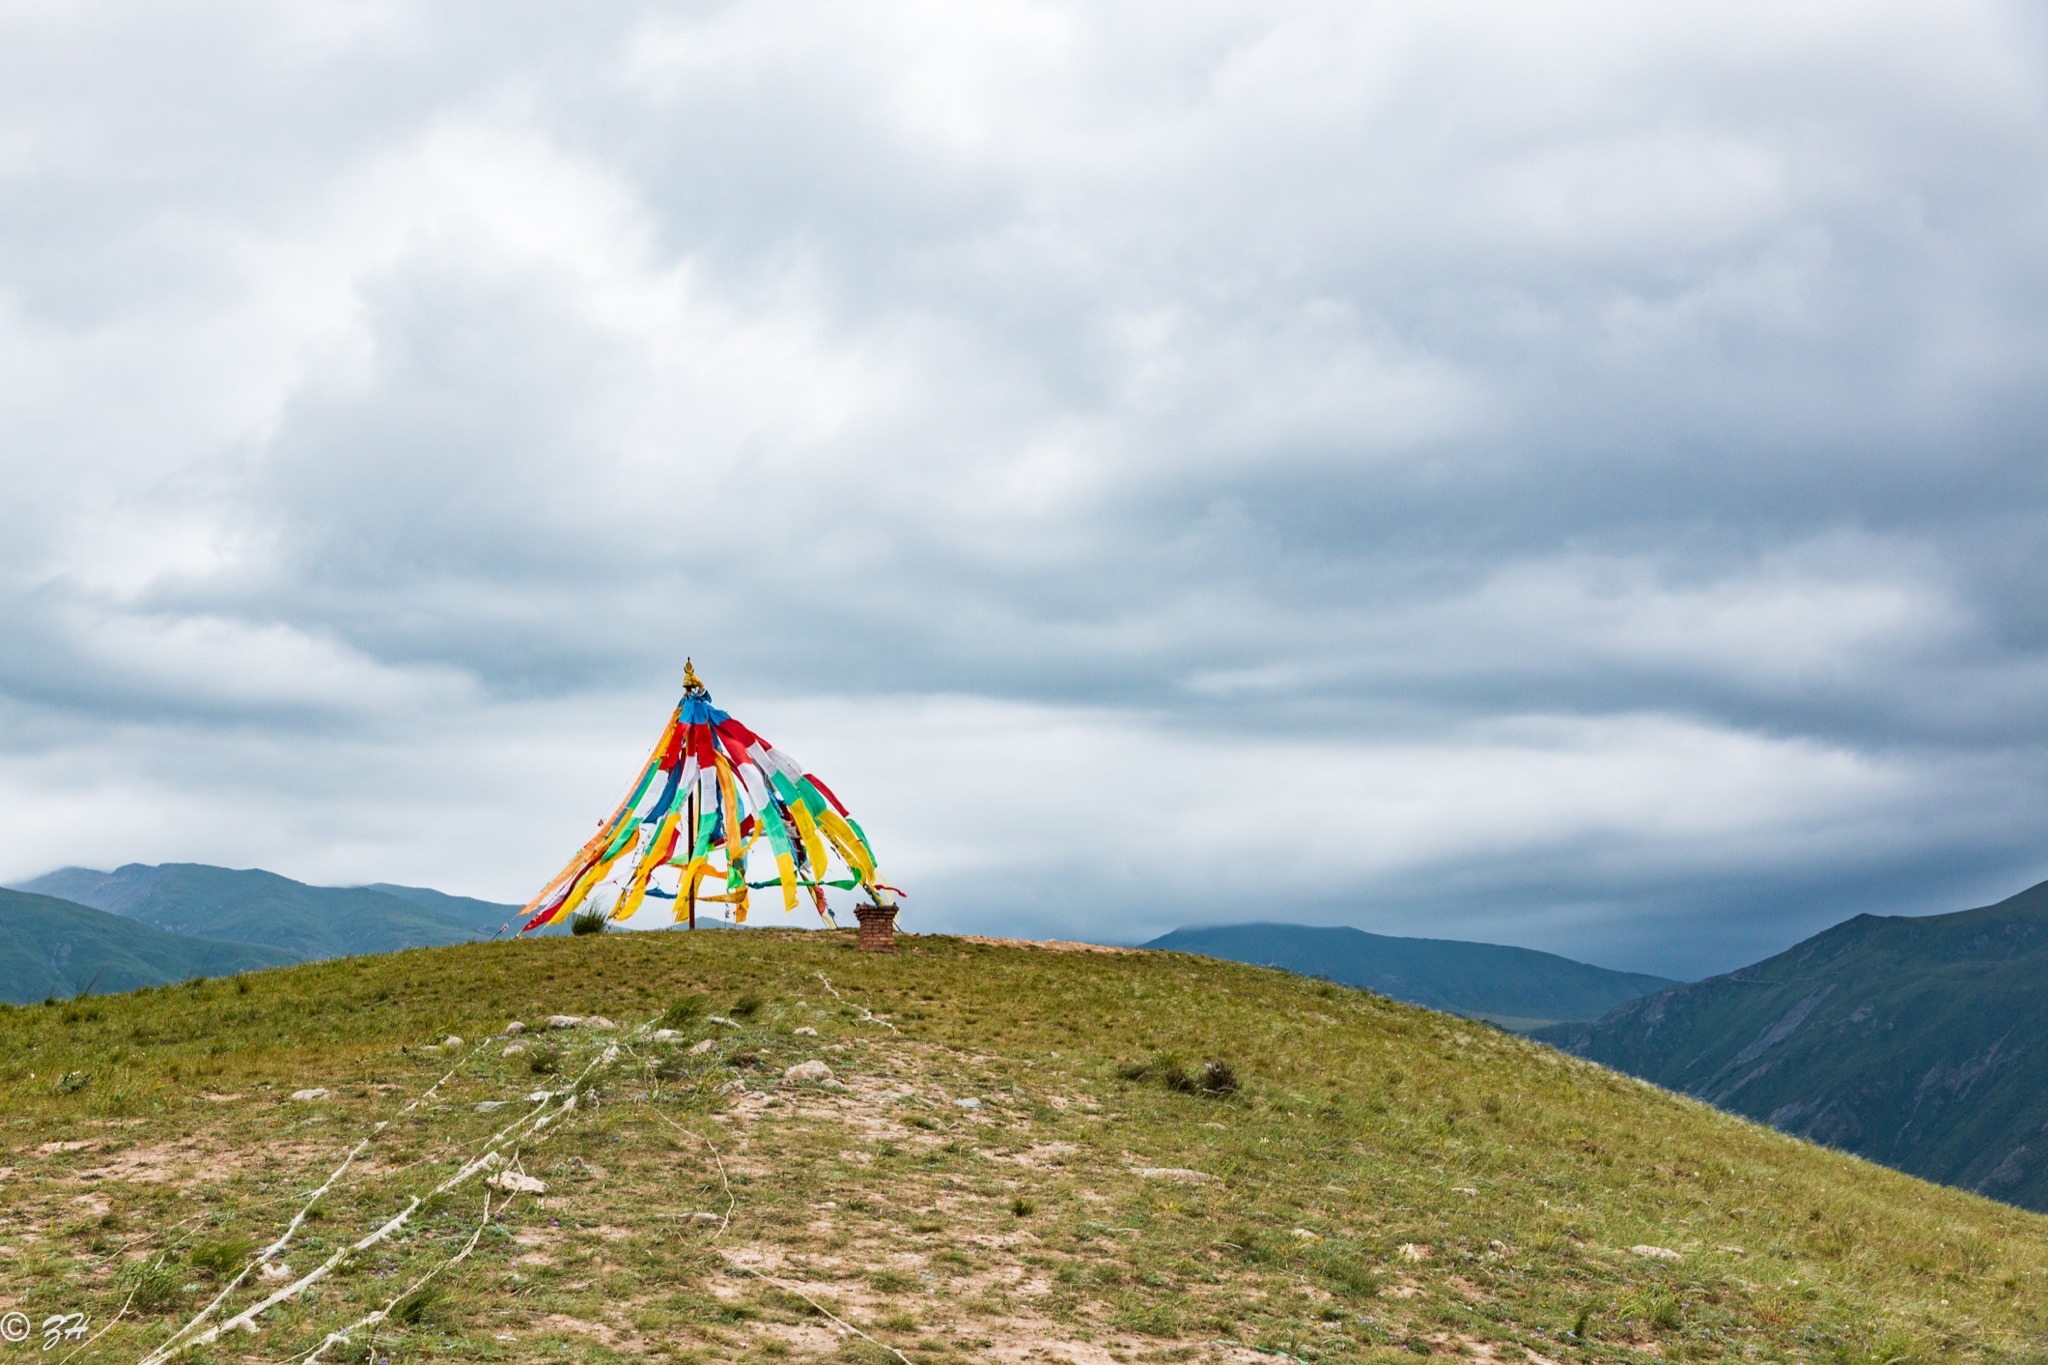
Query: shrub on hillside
{"points": [[1214, 1078], [591, 921]]}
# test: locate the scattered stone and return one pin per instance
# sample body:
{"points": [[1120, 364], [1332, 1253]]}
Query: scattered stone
{"points": [[701, 1048], [514, 1182], [706, 1218], [274, 1271], [1657, 1253], [308, 1096], [967, 1104], [487, 1106], [1175, 1173], [1732, 1251], [835, 1085], [807, 1072], [1305, 1235], [451, 1041], [598, 1021], [514, 1029], [514, 1049], [805, 1032], [1463, 1189], [721, 1019], [1411, 1252], [667, 1035], [537, 1096], [565, 1021], [839, 1047]]}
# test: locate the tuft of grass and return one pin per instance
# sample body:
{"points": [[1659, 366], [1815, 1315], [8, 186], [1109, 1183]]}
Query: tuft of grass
{"points": [[747, 1006], [419, 1305], [151, 1286], [1023, 1207], [544, 1058], [685, 1013], [1214, 1078], [592, 921], [222, 1256]]}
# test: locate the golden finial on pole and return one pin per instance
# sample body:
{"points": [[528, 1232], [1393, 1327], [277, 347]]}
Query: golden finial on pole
{"points": [[691, 682]]}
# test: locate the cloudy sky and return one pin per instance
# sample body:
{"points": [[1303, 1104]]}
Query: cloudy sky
{"points": [[1567, 475]]}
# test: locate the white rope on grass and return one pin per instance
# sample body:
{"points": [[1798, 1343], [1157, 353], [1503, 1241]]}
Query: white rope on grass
{"points": [[370, 1320], [731, 1203], [533, 1122], [867, 1016]]}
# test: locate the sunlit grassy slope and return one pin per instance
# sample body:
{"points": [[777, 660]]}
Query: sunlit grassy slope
{"points": [[1386, 1180]]}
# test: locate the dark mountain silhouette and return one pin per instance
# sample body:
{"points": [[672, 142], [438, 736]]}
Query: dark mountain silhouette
{"points": [[1513, 987]]}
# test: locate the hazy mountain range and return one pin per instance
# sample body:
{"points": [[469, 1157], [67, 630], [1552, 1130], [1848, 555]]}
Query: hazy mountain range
{"points": [[1920, 1043], [1516, 988], [77, 930]]}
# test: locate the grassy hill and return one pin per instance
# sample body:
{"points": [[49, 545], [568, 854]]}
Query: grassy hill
{"points": [[252, 906], [1516, 988], [1921, 1043], [1009, 1164], [51, 947]]}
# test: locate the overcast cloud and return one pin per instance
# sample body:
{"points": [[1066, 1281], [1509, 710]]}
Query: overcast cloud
{"points": [[1566, 475]]}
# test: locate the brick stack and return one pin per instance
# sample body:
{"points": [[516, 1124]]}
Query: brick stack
{"points": [[877, 928]]}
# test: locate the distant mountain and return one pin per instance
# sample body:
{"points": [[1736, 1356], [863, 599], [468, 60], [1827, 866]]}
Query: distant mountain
{"points": [[1517, 988], [51, 947], [261, 907], [1920, 1043], [487, 917]]}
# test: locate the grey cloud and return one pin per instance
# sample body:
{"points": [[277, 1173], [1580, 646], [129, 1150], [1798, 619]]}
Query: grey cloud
{"points": [[1312, 375]]}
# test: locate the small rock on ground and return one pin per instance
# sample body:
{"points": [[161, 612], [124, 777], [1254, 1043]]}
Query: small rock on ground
{"points": [[451, 1041], [514, 1049], [811, 1071], [1657, 1253], [486, 1106], [514, 1029], [967, 1104], [1174, 1173], [701, 1048], [513, 1182], [317, 1093], [805, 1032]]}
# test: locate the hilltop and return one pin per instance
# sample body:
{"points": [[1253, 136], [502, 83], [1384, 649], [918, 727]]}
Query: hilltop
{"points": [[1919, 1042], [1517, 988], [1022, 1155]]}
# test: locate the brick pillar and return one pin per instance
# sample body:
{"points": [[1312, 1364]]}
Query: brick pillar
{"points": [[877, 928]]}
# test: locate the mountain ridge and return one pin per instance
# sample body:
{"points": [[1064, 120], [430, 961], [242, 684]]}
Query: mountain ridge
{"points": [[249, 905], [1516, 987], [51, 947], [1920, 1042]]}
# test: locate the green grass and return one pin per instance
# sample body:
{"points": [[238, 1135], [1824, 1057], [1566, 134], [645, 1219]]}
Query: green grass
{"points": [[1381, 1181]]}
